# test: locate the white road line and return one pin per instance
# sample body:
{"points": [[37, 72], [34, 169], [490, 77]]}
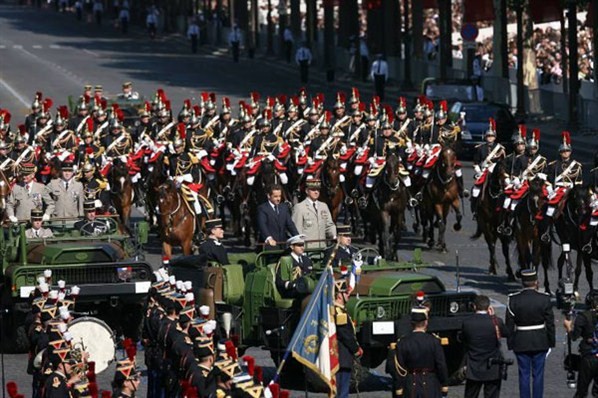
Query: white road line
{"points": [[91, 52], [37, 46], [2, 47], [71, 76], [54, 46], [17, 46], [14, 93]]}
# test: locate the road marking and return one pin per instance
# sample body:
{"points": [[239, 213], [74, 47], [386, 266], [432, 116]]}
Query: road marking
{"points": [[2, 47], [54, 46], [37, 46], [14, 92], [17, 46], [439, 263], [91, 52]]}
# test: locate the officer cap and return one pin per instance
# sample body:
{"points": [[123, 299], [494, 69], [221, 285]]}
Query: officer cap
{"points": [[27, 169], [87, 87], [67, 166], [529, 275], [36, 214], [213, 223], [296, 240], [125, 373], [203, 347], [89, 205], [419, 314], [343, 229], [49, 312], [127, 84], [98, 87], [187, 314], [313, 183]]}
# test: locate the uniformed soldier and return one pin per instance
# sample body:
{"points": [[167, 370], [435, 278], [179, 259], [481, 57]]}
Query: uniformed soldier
{"points": [[563, 174], [530, 324], [484, 159], [118, 142], [293, 267], [426, 133], [312, 217], [95, 187], [58, 382], [36, 107], [212, 246], [126, 381], [419, 364], [404, 125], [345, 252], [349, 350], [77, 122], [90, 226], [27, 194], [64, 195], [6, 162], [37, 231], [203, 377], [128, 93]]}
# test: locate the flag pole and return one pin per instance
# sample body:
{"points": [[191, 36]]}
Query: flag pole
{"points": [[328, 268]]}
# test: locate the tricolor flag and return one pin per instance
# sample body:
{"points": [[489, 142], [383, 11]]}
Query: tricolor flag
{"points": [[314, 343]]}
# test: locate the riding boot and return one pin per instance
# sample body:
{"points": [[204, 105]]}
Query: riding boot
{"points": [[474, 208], [463, 193]]}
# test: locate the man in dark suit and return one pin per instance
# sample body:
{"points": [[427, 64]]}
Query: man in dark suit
{"points": [[481, 334], [530, 323], [212, 247], [274, 220]]}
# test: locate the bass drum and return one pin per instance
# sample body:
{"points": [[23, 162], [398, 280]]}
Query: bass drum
{"points": [[95, 337]]}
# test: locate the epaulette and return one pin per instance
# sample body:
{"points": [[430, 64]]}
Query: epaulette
{"points": [[514, 294], [341, 319], [101, 183], [193, 158]]}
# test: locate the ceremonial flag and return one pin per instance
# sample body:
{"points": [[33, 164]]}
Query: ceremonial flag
{"points": [[314, 343]]}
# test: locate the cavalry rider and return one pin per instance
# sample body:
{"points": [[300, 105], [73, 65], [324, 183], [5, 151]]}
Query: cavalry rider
{"points": [[533, 162], [563, 174], [339, 107], [77, 122], [100, 118], [6, 162], [144, 125], [118, 142], [43, 125], [484, 160], [62, 141], [95, 187], [163, 126], [354, 130], [88, 150], [36, 108], [182, 168], [403, 124], [266, 143], [5, 132], [518, 158], [449, 135], [279, 114]]}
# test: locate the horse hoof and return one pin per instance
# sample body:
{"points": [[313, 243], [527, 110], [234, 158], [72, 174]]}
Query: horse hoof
{"points": [[457, 227]]}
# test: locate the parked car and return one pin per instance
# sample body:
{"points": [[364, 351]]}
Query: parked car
{"points": [[477, 119]]}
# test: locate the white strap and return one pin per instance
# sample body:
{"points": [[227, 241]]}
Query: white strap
{"points": [[531, 327]]}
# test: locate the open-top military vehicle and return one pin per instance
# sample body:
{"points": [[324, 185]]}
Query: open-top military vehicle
{"points": [[379, 305], [108, 268]]}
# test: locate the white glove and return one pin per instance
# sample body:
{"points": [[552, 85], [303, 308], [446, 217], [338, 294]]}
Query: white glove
{"points": [[13, 219], [477, 169], [46, 217]]}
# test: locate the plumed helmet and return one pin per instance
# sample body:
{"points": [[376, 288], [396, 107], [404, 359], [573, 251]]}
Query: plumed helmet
{"points": [[491, 128], [566, 142]]}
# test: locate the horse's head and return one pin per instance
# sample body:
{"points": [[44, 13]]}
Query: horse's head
{"points": [[580, 198], [499, 175], [167, 194], [268, 173], [391, 170], [331, 173]]}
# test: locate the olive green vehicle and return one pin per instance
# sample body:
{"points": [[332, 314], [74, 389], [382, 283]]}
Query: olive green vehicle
{"points": [[108, 268], [131, 108], [379, 305]]}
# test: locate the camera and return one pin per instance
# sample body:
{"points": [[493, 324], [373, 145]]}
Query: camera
{"points": [[503, 365]]}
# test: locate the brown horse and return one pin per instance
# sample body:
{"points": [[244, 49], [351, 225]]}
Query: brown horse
{"points": [[121, 190], [176, 221], [153, 175], [489, 219], [332, 192], [441, 193]]}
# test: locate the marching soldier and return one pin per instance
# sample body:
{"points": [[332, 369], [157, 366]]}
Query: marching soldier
{"points": [[419, 364], [212, 246], [58, 382], [126, 381], [204, 377], [64, 195], [37, 231], [27, 195], [530, 324], [293, 267], [348, 347]]}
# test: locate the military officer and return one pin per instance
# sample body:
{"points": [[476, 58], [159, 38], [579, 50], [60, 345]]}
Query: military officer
{"points": [[37, 231], [6, 162], [64, 195], [36, 107], [126, 381], [118, 142], [530, 324], [95, 187], [212, 246], [420, 366], [26, 195], [348, 347], [293, 267], [128, 93], [565, 171], [58, 382], [516, 159], [312, 217], [345, 251], [204, 376], [77, 122], [91, 226]]}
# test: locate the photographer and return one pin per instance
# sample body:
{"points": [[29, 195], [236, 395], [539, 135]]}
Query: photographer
{"points": [[481, 334], [585, 327]]}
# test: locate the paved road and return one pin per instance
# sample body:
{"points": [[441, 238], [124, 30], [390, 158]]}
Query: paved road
{"points": [[41, 50]]}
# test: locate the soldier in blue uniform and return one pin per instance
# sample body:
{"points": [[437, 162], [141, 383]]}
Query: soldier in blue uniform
{"points": [[530, 324], [212, 247]]}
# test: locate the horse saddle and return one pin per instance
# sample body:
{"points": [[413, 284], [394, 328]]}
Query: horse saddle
{"points": [[314, 167], [520, 192], [344, 157], [377, 168], [481, 179]]}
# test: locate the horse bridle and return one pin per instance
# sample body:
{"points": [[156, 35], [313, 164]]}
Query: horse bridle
{"points": [[392, 187], [330, 189]]}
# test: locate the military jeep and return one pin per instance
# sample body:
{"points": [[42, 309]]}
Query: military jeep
{"points": [[108, 268], [379, 306]]}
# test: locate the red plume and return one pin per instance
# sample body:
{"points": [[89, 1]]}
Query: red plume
{"points": [[295, 100], [131, 352], [197, 110], [302, 91], [120, 115], [114, 107], [87, 98], [90, 124], [226, 102], [182, 129], [268, 114], [22, 129], [271, 101], [259, 374], [444, 105], [492, 124], [103, 103], [362, 107], [327, 116], [106, 394], [63, 111], [403, 102], [274, 390], [161, 94], [255, 96], [320, 97], [231, 350], [248, 109], [373, 110], [167, 104], [355, 92], [205, 96], [250, 362], [47, 104], [127, 342], [213, 97], [282, 99], [536, 134], [376, 100], [285, 394], [522, 130], [6, 115], [187, 103], [12, 389], [566, 137]]}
